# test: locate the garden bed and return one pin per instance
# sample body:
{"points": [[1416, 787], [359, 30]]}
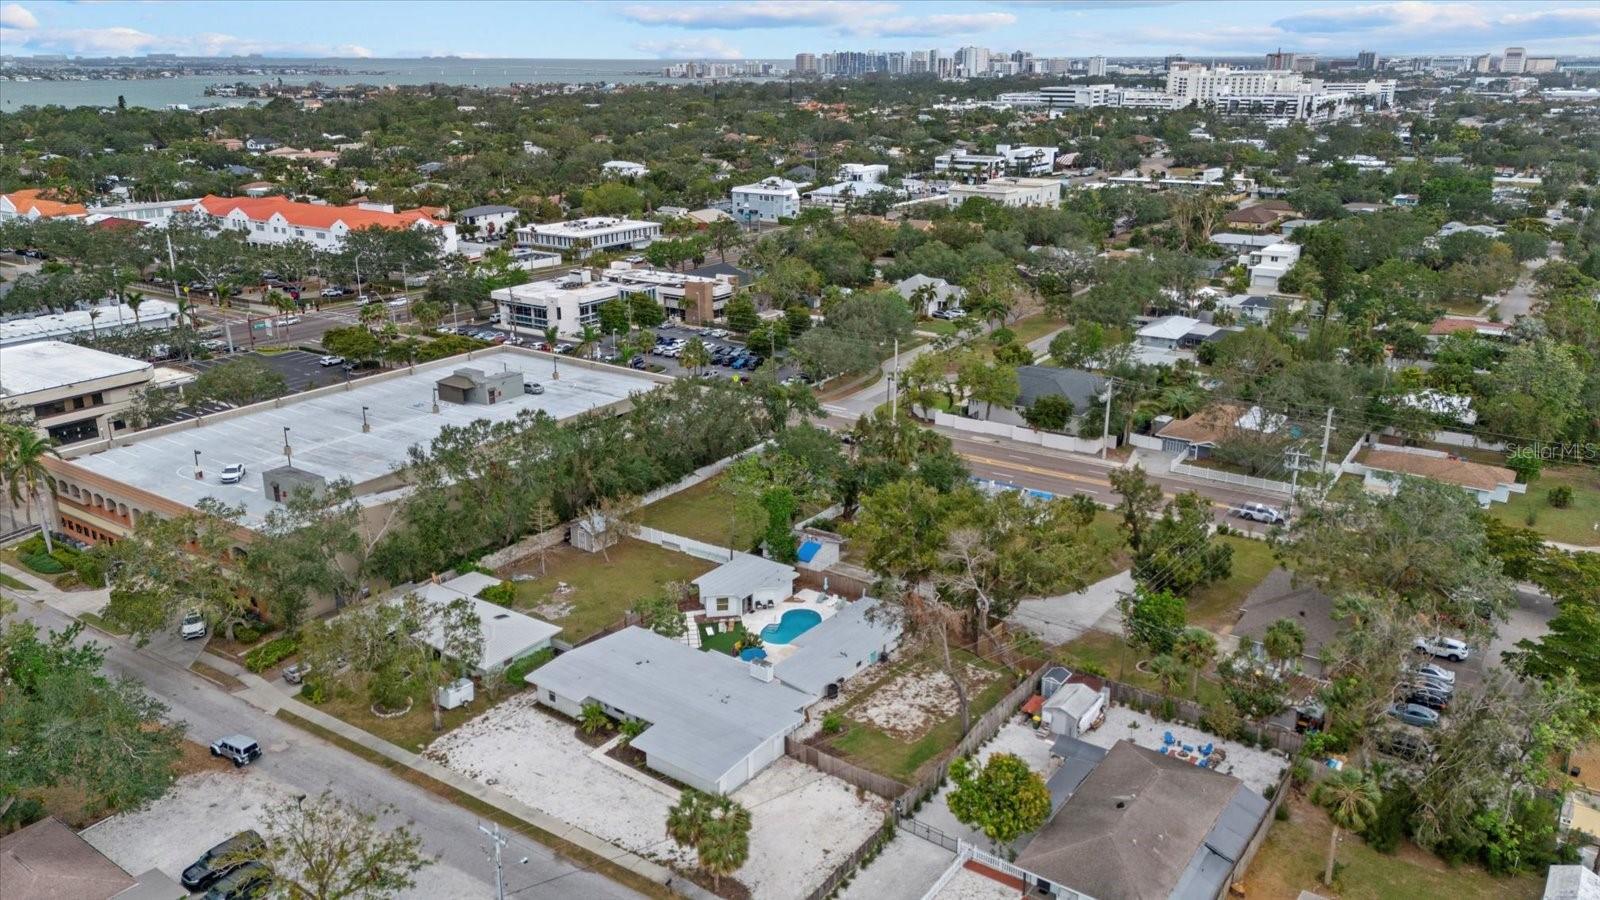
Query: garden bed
{"points": [[597, 593]]}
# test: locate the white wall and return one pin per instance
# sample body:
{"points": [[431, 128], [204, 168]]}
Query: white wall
{"points": [[1022, 434]]}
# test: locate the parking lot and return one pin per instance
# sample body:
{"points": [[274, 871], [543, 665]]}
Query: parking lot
{"points": [[727, 347], [300, 370]]}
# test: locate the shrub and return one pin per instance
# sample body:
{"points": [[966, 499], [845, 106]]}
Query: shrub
{"points": [[1221, 719], [388, 690], [1561, 497], [1002, 336], [315, 691], [832, 723], [31, 546], [24, 812], [1386, 829], [517, 671], [1526, 465], [271, 653], [501, 594], [1281, 814], [246, 634], [42, 564], [89, 570]]}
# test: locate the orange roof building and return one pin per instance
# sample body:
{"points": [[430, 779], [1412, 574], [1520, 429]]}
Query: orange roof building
{"points": [[277, 220], [34, 203]]}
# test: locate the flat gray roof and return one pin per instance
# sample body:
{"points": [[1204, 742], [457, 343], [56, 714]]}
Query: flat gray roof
{"points": [[47, 365], [834, 647], [744, 574], [325, 428], [152, 314], [706, 711]]}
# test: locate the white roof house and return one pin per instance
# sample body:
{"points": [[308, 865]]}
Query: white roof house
{"points": [[944, 294], [508, 635], [714, 721], [767, 200], [621, 168], [734, 587], [859, 634]]}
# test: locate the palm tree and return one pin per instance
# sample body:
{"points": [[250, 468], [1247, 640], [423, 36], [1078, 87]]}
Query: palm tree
{"points": [[1195, 648], [725, 840], [1351, 799], [1182, 401], [24, 474], [371, 314], [94, 313], [551, 335], [1284, 641], [588, 339], [686, 820], [593, 719], [134, 300], [695, 355], [1168, 672]]}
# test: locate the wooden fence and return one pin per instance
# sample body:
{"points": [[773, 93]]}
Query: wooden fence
{"points": [[847, 866], [882, 785], [980, 732]]}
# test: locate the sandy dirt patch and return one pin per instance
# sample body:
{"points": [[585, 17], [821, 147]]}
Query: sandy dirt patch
{"points": [[918, 699], [803, 822]]}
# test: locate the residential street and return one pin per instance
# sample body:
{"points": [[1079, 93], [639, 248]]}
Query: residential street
{"points": [[305, 763]]}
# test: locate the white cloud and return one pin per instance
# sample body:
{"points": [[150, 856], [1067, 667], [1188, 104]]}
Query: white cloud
{"points": [[123, 41], [15, 15], [690, 48], [1433, 24], [758, 14], [930, 26]]}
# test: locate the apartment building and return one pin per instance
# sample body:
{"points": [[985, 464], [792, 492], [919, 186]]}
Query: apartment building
{"points": [[582, 237], [1097, 67], [693, 298], [768, 200], [1010, 192], [276, 220], [71, 393], [37, 203]]}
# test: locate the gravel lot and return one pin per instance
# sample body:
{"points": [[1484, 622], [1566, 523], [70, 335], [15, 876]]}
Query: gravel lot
{"points": [[202, 810], [803, 820]]}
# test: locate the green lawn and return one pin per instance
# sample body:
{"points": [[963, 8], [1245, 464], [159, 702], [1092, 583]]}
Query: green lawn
{"points": [[1111, 654], [414, 730], [704, 512], [1573, 525], [600, 592], [901, 760], [102, 624], [13, 583], [1217, 605], [1292, 859], [1035, 327], [1110, 554], [723, 641], [937, 326]]}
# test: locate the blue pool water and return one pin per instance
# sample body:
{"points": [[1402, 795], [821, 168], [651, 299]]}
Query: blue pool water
{"points": [[794, 623], [750, 653]]}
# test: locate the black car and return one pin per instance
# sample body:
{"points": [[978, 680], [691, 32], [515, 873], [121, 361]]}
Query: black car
{"points": [[249, 881], [222, 859], [1432, 699]]}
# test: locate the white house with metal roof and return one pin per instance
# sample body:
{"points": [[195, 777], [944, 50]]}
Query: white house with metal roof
{"points": [[508, 635], [744, 583], [840, 646], [714, 722]]}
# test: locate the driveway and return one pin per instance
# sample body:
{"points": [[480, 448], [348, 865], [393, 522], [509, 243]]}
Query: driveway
{"points": [[1060, 619]]}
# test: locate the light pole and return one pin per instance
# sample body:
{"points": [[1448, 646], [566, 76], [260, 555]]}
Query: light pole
{"points": [[198, 475], [496, 843], [288, 452]]}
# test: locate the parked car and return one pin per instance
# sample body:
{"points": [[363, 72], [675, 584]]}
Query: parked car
{"points": [[334, 292], [232, 473], [1260, 512], [399, 302], [222, 859], [289, 320], [364, 299], [1432, 699], [1405, 745], [331, 361], [1435, 672], [950, 314], [1414, 714], [1421, 682], [248, 882], [1453, 649], [241, 749], [532, 387], [636, 363], [193, 626], [297, 672]]}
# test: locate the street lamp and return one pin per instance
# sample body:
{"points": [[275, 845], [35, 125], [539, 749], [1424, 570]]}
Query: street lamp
{"points": [[288, 452], [198, 475]]}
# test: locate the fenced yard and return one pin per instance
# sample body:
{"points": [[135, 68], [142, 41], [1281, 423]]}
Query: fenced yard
{"points": [[706, 512], [585, 594]]}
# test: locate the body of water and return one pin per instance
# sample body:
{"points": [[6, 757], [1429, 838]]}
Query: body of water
{"points": [[189, 90]]}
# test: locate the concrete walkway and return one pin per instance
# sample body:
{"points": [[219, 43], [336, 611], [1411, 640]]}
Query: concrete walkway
{"points": [[73, 603], [1060, 619], [268, 698]]}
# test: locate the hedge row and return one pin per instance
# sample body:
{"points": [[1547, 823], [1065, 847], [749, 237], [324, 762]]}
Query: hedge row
{"points": [[271, 653]]}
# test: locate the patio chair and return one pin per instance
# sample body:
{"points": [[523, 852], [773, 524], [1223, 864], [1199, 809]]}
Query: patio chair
{"points": [[1206, 750], [1188, 748], [1168, 739]]}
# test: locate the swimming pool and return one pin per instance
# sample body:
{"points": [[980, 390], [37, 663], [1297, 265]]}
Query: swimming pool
{"points": [[794, 623]]}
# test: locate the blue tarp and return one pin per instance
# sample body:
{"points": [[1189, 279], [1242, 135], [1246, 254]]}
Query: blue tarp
{"points": [[808, 551]]}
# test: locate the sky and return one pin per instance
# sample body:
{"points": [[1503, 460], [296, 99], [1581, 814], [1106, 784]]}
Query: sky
{"points": [[777, 29]]}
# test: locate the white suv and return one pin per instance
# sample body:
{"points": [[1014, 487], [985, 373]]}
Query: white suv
{"points": [[1453, 649], [1260, 512], [193, 626]]}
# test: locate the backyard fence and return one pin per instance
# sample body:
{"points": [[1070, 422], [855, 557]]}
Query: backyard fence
{"points": [[882, 785], [1190, 712], [1024, 435], [932, 835], [980, 732], [680, 544], [847, 866]]}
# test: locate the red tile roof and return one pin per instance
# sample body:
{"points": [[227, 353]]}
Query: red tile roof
{"points": [[313, 215], [33, 200]]}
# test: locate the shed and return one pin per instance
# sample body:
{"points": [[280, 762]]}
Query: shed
{"points": [[740, 584], [819, 550], [1074, 710]]}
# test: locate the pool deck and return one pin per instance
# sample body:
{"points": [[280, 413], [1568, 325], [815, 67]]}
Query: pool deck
{"points": [[823, 604]]}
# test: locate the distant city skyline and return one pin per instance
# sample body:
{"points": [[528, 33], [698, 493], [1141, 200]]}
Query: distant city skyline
{"points": [[778, 29]]}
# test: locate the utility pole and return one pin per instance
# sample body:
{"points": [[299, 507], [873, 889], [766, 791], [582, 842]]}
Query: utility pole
{"points": [[894, 383], [1294, 476], [1105, 431], [1327, 435], [494, 854]]}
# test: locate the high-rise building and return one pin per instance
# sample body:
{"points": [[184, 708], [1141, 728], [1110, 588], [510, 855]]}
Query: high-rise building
{"points": [[1097, 67], [972, 60], [805, 63], [1367, 61], [1514, 61], [1280, 61], [1538, 65], [1483, 63]]}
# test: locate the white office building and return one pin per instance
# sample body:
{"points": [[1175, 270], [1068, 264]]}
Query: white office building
{"points": [[1010, 192], [159, 315], [567, 303], [1097, 67], [693, 298], [768, 200], [582, 237]]}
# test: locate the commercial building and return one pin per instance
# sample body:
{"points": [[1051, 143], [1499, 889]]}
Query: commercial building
{"points": [[768, 200], [582, 237], [1367, 61], [1010, 192], [359, 430], [1019, 159], [72, 393], [805, 64], [621, 168], [1250, 93], [1514, 61], [275, 220], [693, 298], [158, 315], [568, 304]]}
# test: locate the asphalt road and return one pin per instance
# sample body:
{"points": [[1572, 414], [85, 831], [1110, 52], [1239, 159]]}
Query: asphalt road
{"points": [[301, 761]]}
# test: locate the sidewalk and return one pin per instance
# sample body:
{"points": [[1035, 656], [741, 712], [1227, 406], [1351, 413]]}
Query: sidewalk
{"points": [[73, 603], [263, 695]]}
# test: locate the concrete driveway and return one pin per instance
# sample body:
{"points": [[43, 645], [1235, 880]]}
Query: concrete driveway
{"points": [[1060, 619]]}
